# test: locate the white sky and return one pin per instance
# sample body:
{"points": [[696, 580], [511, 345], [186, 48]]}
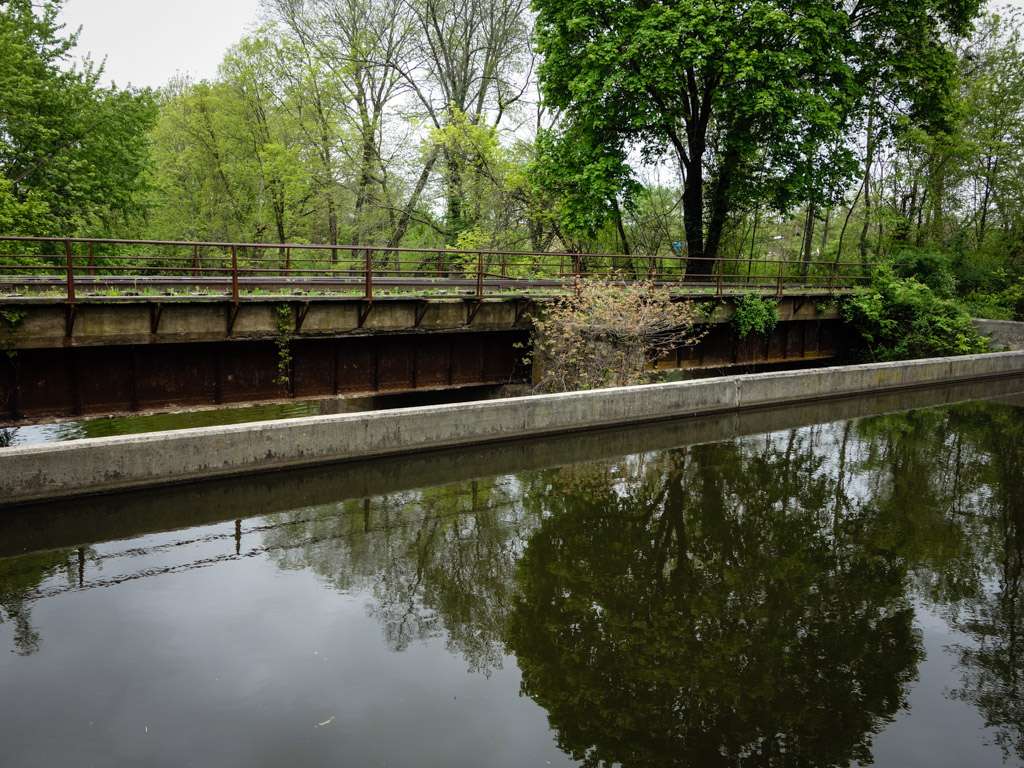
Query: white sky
{"points": [[147, 41]]}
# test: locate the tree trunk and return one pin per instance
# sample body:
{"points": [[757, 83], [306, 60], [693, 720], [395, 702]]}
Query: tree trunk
{"points": [[846, 223], [362, 190], [868, 161], [332, 225], [825, 231], [720, 207], [279, 224], [990, 166], [693, 221], [809, 221], [753, 242], [453, 198]]}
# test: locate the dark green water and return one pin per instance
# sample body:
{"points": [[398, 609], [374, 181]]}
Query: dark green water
{"points": [[815, 587], [79, 429]]}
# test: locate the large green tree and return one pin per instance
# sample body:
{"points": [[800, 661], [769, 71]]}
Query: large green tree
{"points": [[752, 99], [72, 152]]}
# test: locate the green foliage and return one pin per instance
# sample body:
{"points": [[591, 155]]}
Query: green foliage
{"points": [[10, 320], [752, 99], [755, 314], [72, 153], [284, 321], [930, 266], [903, 319], [1007, 304], [989, 306]]}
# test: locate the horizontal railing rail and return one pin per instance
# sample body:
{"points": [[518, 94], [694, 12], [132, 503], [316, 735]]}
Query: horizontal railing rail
{"points": [[70, 267]]}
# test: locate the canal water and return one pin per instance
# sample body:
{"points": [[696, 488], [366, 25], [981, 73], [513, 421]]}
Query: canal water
{"points": [[825, 586]]}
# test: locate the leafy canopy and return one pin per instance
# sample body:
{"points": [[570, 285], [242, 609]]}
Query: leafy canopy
{"points": [[72, 153], [753, 99]]}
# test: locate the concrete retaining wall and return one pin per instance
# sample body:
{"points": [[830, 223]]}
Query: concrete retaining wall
{"points": [[1005, 334], [35, 473]]}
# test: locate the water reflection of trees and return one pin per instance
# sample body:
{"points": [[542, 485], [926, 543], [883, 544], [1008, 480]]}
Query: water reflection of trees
{"points": [[992, 615], [748, 601], [20, 577], [438, 562], [715, 604], [710, 607]]}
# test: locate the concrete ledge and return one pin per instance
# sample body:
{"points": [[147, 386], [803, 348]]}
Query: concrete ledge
{"points": [[36, 473], [80, 522], [1005, 334]]}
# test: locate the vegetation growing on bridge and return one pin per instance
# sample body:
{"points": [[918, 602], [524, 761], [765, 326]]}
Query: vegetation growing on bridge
{"points": [[754, 314], [607, 334]]}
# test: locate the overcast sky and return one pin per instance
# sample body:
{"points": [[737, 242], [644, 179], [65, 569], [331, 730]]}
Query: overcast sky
{"points": [[147, 41]]}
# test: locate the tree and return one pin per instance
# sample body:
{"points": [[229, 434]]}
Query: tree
{"points": [[351, 47], [72, 153], [750, 98]]}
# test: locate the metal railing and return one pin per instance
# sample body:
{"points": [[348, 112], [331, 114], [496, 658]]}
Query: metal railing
{"points": [[71, 267]]}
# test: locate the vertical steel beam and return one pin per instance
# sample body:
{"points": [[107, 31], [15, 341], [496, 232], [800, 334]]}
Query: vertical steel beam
{"points": [[234, 275], [70, 268], [368, 269]]}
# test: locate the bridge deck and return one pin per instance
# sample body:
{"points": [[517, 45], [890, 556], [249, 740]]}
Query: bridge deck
{"points": [[125, 289]]}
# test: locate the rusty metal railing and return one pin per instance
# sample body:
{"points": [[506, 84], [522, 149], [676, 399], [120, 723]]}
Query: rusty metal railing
{"points": [[71, 267]]}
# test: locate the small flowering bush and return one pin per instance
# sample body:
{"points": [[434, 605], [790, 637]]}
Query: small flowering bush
{"points": [[606, 334]]}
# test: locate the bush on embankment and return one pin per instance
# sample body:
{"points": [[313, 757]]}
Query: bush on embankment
{"points": [[899, 318], [1007, 304]]}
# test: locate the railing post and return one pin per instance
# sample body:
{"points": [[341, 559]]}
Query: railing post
{"points": [[480, 274], [287, 262], [719, 281], [195, 261], [92, 260], [70, 267], [368, 269], [234, 274]]}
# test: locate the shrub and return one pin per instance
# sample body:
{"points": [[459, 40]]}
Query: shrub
{"points": [[605, 335], [931, 267], [1013, 297], [755, 314], [991, 306], [902, 319]]}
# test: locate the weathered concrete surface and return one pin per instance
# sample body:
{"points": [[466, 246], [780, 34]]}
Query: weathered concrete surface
{"points": [[50, 323], [106, 464], [81, 522], [1005, 334]]}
